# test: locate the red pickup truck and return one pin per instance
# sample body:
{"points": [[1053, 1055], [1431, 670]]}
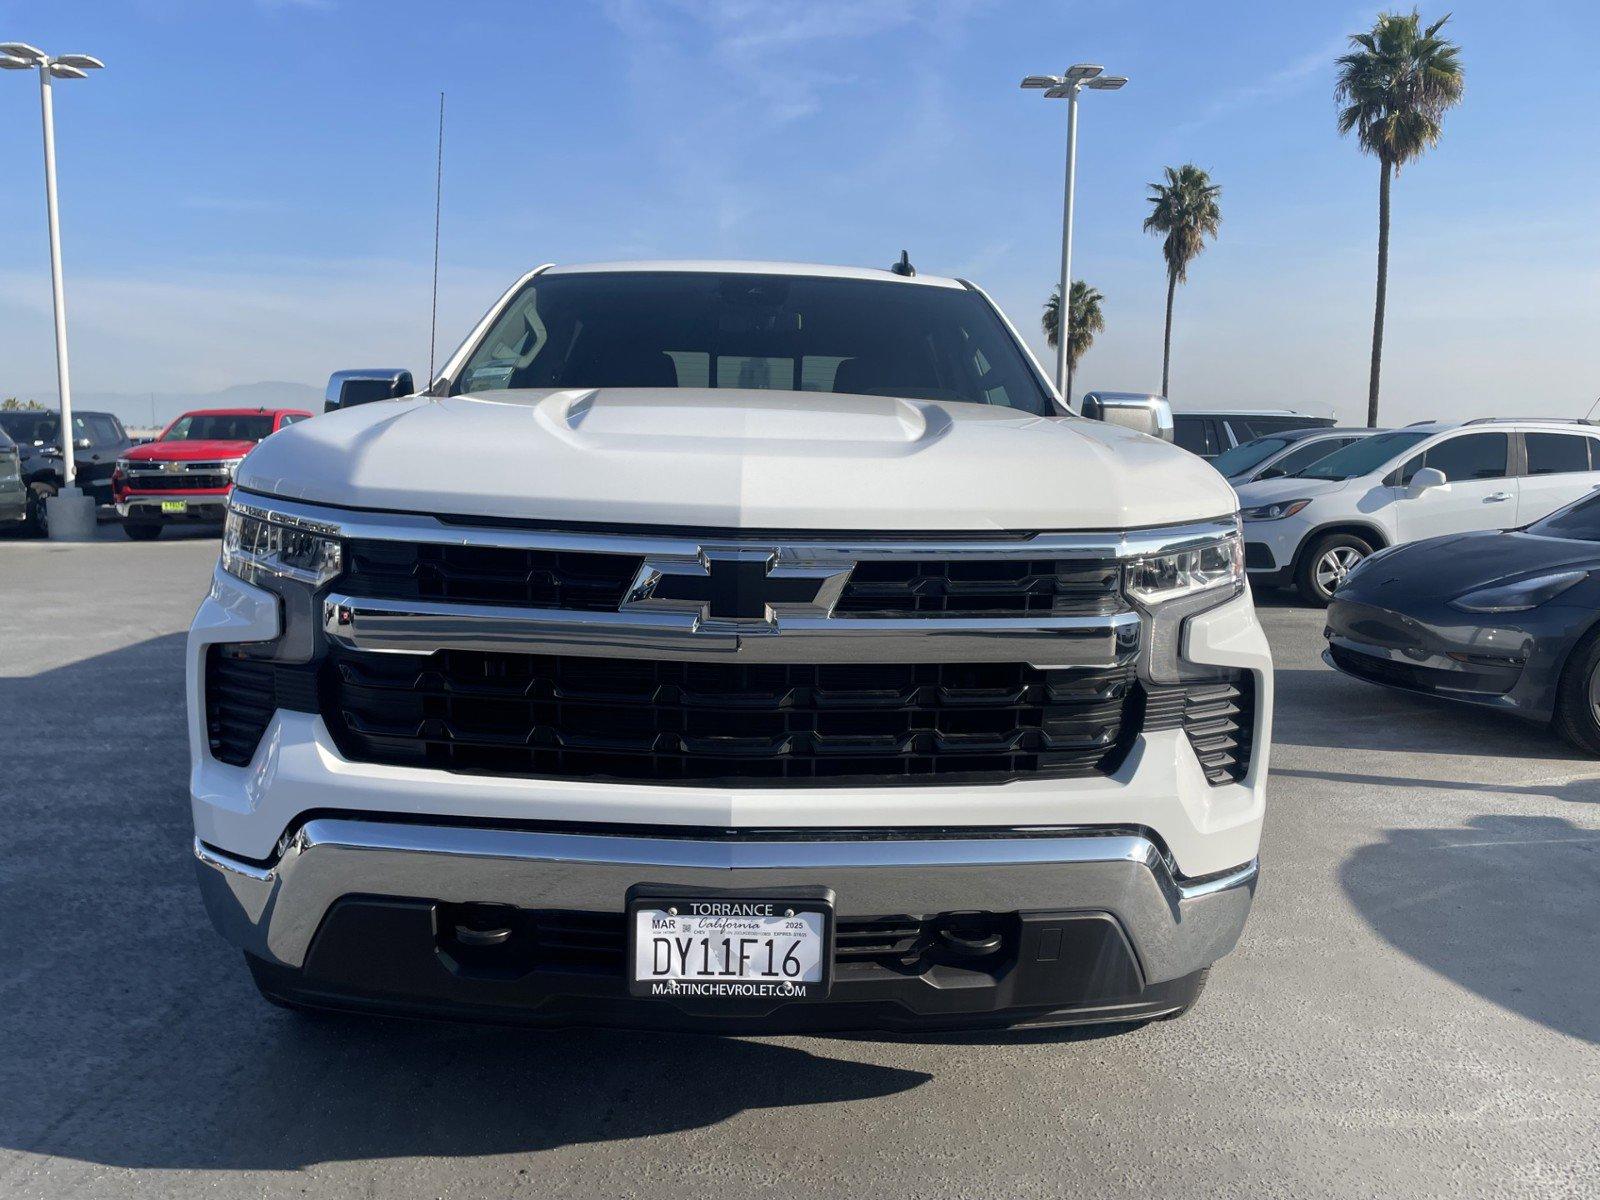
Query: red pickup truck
{"points": [[185, 475]]}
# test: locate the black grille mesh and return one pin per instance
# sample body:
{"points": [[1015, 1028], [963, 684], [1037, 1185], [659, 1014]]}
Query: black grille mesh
{"points": [[242, 693], [176, 483], [579, 580], [1218, 716], [573, 717], [595, 582], [984, 587]]}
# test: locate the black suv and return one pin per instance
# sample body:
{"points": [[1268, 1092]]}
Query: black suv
{"points": [[98, 441]]}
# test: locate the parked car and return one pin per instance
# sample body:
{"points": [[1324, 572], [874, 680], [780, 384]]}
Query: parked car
{"points": [[184, 475], [691, 656], [1423, 481], [1286, 453], [98, 440], [1213, 431], [13, 492], [1507, 620]]}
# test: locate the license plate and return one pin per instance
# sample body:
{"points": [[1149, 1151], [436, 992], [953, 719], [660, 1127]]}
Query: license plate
{"points": [[174, 506], [725, 948]]}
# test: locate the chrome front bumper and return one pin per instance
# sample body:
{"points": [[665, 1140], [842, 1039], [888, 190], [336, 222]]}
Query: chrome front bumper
{"points": [[1176, 926], [134, 505]]}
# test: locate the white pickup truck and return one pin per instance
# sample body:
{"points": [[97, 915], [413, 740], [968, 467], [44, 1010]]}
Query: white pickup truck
{"points": [[732, 646]]}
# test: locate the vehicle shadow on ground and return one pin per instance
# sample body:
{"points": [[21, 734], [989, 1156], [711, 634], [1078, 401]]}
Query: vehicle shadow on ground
{"points": [[1335, 712], [133, 1037], [1502, 906]]}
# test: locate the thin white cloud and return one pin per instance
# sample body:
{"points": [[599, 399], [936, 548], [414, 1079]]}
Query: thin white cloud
{"points": [[1285, 81]]}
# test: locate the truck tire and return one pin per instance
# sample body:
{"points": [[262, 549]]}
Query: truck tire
{"points": [[38, 520], [142, 531], [1330, 559], [1577, 716]]}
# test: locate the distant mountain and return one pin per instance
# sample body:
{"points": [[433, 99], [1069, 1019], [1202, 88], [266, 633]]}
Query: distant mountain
{"points": [[142, 410]]}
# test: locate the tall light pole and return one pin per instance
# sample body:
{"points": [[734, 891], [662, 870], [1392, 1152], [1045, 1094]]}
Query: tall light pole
{"points": [[19, 56], [1066, 87]]}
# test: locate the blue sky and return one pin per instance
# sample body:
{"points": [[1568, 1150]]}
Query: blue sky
{"points": [[247, 189]]}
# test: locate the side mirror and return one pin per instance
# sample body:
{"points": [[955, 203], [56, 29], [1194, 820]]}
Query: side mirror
{"points": [[1428, 477], [346, 389], [1132, 410]]}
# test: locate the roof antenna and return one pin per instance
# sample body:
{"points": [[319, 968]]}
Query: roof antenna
{"points": [[438, 193], [904, 267], [1592, 407]]}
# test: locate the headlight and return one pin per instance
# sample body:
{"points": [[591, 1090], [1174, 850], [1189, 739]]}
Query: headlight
{"points": [[1275, 511], [1164, 577], [1519, 596], [254, 546]]}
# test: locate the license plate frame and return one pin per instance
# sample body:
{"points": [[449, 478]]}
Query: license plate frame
{"points": [[814, 906], [174, 507]]}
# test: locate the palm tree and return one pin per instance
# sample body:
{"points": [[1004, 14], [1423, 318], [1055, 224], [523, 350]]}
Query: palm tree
{"points": [[1086, 321], [1185, 210], [1394, 87]]}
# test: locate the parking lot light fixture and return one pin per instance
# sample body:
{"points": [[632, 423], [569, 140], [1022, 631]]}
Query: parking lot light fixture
{"points": [[74, 516], [1066, 86]]}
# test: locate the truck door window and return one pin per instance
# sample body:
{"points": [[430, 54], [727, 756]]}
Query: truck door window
{"points": [[1194, 434]]}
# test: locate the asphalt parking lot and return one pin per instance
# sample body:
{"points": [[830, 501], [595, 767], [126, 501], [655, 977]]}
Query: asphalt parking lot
{"points": [[1414, 1011]]}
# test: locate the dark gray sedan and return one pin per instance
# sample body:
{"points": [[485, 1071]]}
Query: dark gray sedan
{"points": [[1507, 620]]}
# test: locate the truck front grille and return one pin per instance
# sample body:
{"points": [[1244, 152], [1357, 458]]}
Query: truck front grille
{"points": [[141, 482], [692, 722], [590, 581]]}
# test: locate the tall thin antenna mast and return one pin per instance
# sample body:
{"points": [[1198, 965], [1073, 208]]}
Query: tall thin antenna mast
{"points": [[438, 193]]}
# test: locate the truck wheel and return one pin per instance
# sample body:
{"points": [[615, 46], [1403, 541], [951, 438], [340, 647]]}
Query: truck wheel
{"points": [[142, 531], [38, 519], [1577, 716], [1323, 567]]}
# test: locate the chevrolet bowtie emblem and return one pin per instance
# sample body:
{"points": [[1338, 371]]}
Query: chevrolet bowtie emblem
{"points": [[742, 587]]}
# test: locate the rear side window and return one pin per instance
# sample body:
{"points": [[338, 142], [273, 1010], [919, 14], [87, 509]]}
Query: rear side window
{"points": [[1197, 435], [1470, 456], [1556, 453]]}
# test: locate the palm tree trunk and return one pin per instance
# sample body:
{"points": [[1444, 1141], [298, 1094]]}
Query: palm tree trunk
{"points": [[1383, 293], [1071, 367], [1166, 341]]}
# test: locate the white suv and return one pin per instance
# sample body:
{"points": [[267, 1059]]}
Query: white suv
{"points": [[1437, 478]]}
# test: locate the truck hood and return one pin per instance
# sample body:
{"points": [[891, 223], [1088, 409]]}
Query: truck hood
{"points": [[185, 451], [733, 459]]}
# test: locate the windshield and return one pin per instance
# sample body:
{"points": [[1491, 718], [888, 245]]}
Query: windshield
{"points": [[1579, 521], [1363, 457], [1242, 458], [670, 329], [26, 428], [219, 427]]}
